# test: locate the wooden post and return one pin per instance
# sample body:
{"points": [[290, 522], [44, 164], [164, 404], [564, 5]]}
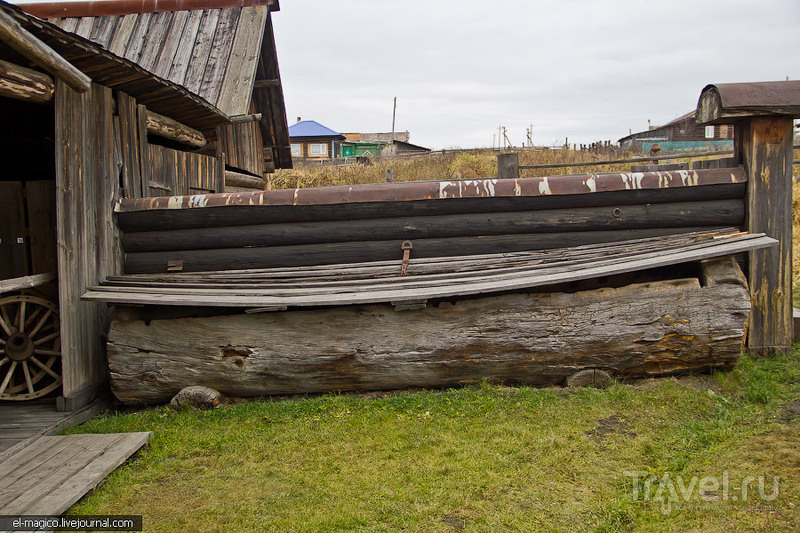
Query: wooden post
{"points": [[763, 117], [508, 165], [765, 151]]}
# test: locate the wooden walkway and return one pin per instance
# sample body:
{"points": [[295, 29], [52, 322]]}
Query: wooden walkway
{"points": [[22, 421], [51, 473]]}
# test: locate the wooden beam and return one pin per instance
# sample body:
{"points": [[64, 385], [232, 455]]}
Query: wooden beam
{"points": [[237, 179], [23, 83], [241, 119], [263, 84], [508, 165], [174, 130], [26, 282], [27, 44]]}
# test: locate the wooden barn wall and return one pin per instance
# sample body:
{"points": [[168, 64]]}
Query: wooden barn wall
{"points": [[155, 170], [243, 147], [177, 173], [87, 187]]}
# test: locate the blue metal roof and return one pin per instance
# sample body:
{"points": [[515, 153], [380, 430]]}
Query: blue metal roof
{"points": [[311, 128]]}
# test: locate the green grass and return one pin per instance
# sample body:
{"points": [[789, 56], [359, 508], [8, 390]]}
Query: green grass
{"points": [[481, 458]]}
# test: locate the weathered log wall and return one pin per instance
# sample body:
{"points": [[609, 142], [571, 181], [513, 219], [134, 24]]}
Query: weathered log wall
{"points": [[637, 330], [241, 236]]}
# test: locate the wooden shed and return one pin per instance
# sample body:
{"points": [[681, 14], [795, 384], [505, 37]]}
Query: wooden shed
{"points": [[94, 110]]}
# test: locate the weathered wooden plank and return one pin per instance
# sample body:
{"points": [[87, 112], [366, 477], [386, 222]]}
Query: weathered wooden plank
{"points": [[116, 449], [103, 30], [128, 122], [201, 50], [25, 84], [138, 37], [301, 296], [218, 56], [439, 268], [766, 151], [237, 84], [81, 162], [84, 27], [171, 41], [180, 63], [141, 117], [122, 34], [570, 261], [159, 24], [237, 179], [659, 328], [713, 213]]}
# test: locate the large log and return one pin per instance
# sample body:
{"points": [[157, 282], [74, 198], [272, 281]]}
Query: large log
{"points": [[174, 130], [245, 181], [23, 83], [672, 215], [365, 251], [236, 215], [27, 44], [637, 330]]}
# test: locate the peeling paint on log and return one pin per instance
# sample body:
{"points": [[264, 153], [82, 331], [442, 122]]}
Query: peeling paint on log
{"points": [[638, 330]]}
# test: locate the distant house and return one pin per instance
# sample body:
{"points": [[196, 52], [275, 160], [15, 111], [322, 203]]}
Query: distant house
{"points": [[681, 135], [383, 138], [403, 147], [311, 141]]}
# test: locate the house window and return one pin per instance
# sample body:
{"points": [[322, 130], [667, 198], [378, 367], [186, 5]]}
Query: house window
{"points": [[297, 149], [709, 132], [318, 149]]}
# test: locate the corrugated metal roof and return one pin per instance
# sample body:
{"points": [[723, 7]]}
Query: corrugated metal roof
{"points": [[311, 128], [211, 52]]}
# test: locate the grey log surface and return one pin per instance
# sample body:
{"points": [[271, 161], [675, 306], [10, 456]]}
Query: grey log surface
{"points": [[27, 44], [364, 251], [174, 130], [638, 330], [241, 214], [672, 215], [238, 179], [27, 84]]}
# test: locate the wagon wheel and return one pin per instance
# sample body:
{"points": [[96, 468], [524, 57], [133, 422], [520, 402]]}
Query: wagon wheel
{"points": [[30, 348]]}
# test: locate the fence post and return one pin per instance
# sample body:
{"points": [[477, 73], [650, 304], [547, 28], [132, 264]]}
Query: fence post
{"points": [[508, 165], [763, 146]]}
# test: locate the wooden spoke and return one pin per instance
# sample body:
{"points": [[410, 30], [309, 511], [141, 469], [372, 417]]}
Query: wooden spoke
{"points": [[46, 352], [45, 367], [31, 343], [41, 322], [5, 323], [50, 337], [21, 317], [8, 377], [27, 373], [32, 316]]}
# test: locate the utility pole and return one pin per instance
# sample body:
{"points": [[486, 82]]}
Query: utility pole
{"points": [[506, 139], [394, 114], [499, 137]]}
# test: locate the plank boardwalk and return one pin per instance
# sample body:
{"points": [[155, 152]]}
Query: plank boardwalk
{"points": [[51, 473]]}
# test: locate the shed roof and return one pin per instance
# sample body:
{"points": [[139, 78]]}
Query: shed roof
{"points": [[213, 53], [160, 95], [310, 129]]}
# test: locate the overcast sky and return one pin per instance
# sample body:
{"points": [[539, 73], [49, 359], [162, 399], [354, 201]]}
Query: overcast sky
{"points": [[586, 69]]}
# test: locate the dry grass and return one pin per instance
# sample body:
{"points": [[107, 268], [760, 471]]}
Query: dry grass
{"points": [[448, 166]]}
